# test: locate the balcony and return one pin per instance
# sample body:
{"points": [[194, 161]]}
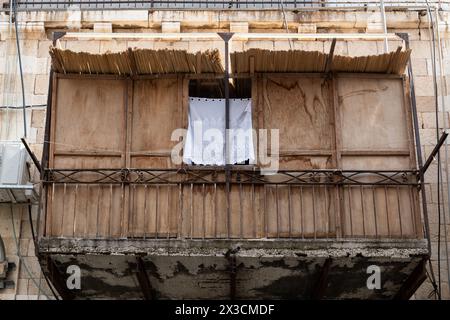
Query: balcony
{"points": [[345, 197]]}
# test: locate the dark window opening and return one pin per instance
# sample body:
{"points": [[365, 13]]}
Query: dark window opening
{"points": [[215, 89]]}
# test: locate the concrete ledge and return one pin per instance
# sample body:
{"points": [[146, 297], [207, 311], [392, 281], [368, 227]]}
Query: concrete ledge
{"points": [[204, 19], [214, 247]]}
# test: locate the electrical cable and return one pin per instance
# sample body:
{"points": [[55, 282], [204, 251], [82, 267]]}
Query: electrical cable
{"points": [[24, 107], [19, 254], [285, 22], [439, 174], [16, 27], [33, 234], [434, 291], [30, 106], [444, 124]]}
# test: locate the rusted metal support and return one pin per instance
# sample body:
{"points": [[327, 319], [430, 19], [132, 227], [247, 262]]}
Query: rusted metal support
{"points": [[144, 281], [32, 155], [230, 255], [133, 62], [330, 56], [226, 36], [413, 282], [45, 154], [56, 279], [321, 284], [434, 152]]}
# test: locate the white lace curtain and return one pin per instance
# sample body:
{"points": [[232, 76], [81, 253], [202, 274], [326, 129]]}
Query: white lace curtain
{"points": [[205, 140]]}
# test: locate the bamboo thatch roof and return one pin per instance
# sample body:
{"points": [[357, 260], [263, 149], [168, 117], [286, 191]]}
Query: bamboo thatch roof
{"points": [[314, 61], [136, 61], [146, 61]]}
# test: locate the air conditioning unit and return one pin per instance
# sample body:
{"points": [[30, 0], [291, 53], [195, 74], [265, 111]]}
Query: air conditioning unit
{"points": [[15, 183]]}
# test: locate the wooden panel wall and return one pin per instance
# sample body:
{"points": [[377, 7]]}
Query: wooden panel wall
{"points": [[158, 110], [376, 134], [88, 131], [301, 109], [338, 122]]}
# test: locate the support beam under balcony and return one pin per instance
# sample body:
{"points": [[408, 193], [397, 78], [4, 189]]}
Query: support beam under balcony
{"points": [[143, 280], [321, 284], [56, 278], [413, 282]]}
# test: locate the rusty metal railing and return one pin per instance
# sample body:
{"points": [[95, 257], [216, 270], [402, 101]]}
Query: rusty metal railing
{"points": [[194, 203], [30, 5]]}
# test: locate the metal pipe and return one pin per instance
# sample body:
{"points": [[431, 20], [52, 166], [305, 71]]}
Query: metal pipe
{"points": [[239, 36], [19, 55], [435, 151], [226, 36], [383, 20]]}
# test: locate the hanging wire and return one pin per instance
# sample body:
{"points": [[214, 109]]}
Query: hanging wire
{"points": [[431, 30], [285, 22], [19, 55], [13, 6], [31, 106], [444, 124], [19, 254], [33, 234]]}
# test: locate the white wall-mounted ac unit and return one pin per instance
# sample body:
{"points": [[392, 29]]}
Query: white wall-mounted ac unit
{"points": [[15, 183]]}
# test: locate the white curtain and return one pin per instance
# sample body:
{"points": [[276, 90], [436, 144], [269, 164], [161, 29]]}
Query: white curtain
{"points": [[205, 140]]}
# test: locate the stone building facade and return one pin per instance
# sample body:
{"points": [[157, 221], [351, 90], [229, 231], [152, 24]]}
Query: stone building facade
{"points": [[35, 34]]}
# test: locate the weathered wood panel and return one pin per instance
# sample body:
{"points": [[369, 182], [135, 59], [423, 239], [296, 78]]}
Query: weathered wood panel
{"points": [[376, 135], [157, 110], [87, 132], [373, 114], [89, 116], [300, 109]]}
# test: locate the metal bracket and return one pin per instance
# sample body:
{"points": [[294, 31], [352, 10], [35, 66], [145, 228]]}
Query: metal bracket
{"points": [[5, 268], [226, 36], [32, 155], [433, 153], [330, 56], [143, 280], [321, 284], [58, 35], [403, 35], [7, 284], [230, 255]]}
